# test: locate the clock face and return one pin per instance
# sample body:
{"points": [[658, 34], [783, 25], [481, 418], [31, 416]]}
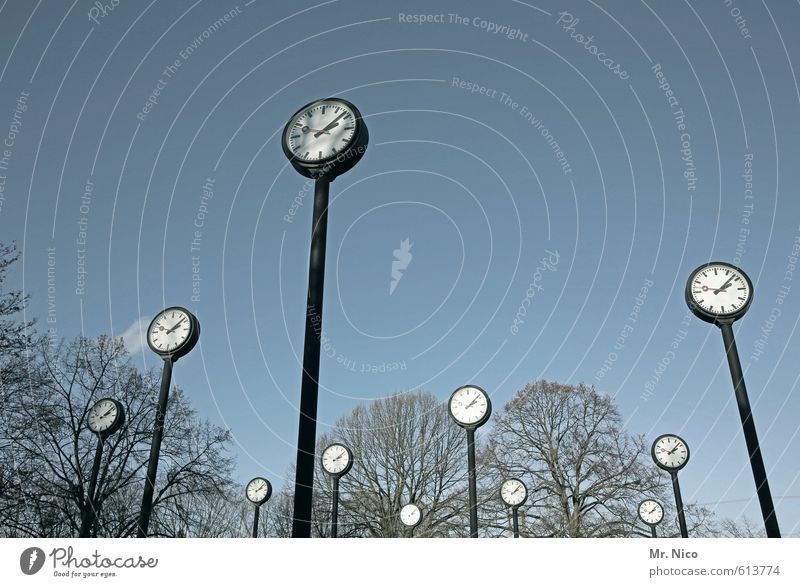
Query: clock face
{"points": [[336, 459], [719, 289], [320, 131], [670, 452], [470, 406], [170, 330], [513, 492], [651, 512], [258, 490], [410, 515], [104, 416]]}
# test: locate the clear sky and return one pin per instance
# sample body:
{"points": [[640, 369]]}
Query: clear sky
{"points": [[558, 169]]}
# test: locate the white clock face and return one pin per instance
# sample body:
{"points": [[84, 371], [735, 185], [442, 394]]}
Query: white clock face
{"points": [[102, 415], [720, 290], [335, 459], [170, 330], [410, 514], [651, 512], [513, 492], [469, 405], [671, 452], [321, 131], [257, 490]]}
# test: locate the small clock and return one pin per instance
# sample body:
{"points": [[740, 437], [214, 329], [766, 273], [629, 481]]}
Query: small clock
{"points": [[651, 512], [513, 492], [173, 333], [105, 417], [719, 292], [337, 460], [325, 138], [258, 490], [470, 406], [411, 515], [670, 452]]}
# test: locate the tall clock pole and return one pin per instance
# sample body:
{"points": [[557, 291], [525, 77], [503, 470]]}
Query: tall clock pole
{"points": [[322, 140], [676, 489], [721, 293], [171, 335], [671, 453]]}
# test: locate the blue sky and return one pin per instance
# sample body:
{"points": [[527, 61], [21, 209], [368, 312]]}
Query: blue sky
{"points": [[558, 190]]}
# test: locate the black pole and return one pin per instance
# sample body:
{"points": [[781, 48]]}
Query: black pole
{"points": [[515, 516], [155, 450], [473, 491], [255, 521], [89, 513], [335, 509], [750, 436], [307, 429], [679, 505], [653, 532]]}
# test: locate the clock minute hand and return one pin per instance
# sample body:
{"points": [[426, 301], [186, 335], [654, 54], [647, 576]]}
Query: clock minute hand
{"points": [[171, 330], [334, 122], [724, 285]]}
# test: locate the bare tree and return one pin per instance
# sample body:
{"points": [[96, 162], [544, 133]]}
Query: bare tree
{"points": [[51, 449], [406, 449], [587, 475]]}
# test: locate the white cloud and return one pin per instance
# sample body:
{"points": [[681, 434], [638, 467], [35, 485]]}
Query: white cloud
{"points": [[134, 336]]}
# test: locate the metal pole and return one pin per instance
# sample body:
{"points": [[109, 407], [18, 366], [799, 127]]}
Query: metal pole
{"points": [[89, 514], [335, 509], [255, 522], [653, 532], [515, 516], [473, 491], [155, 450], [679, 505], [307, 429], [750, 436]]}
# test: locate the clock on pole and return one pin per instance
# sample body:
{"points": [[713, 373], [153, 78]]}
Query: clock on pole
{"points": [[671, 453], [258, 491], [336, 461], [651, 513], [514, 493]]}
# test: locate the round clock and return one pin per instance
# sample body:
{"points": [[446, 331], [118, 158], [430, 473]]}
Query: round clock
{"points": [[173, 333], [337, 459], [670, 452], [105, 417], [258, 490], [470, 406], [651, 512], [719, 292], [325, 138], [411, 515], [513, 492]]}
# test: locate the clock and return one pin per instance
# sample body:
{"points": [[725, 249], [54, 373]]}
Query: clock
{"points": [[337, 459], [719, 292], [411, 515], [513, 492], [470, 406], [258, 490], [173, 333], [651, 512], [105, 417], [325, 138], [670, 452]]}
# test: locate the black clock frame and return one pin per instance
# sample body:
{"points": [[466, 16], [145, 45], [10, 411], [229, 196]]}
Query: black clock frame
{"points": [[118, 421], [411, 526], [639, 512], [711, 318], [344, 471], [334, 165], [516, 505], [269, 491], [483, 419], [188, 344], [662, 466]]}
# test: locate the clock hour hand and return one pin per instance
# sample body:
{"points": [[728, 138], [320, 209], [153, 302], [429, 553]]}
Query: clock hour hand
{"points": [[334, 123], [724, 285]]}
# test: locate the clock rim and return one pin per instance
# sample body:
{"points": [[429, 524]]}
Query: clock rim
{"points": [[639, 511], [666, 468], [269, 490], [349, 460], [330, 167], [503, 499], [483, 418], [418, 522], [710, 317], [115, 425], [187, 345]]}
